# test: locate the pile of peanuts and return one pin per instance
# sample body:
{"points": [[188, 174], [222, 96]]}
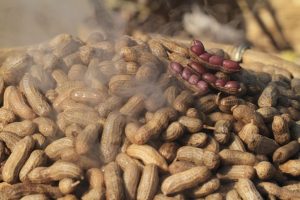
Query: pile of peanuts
{"points": [[121, 119]]}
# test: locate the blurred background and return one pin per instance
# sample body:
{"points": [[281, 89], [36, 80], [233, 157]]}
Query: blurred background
{"points": [[267, 25]]}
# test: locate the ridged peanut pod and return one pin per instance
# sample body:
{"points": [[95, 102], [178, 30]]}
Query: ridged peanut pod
{"points": [[72, 130], [236, 172], [16, 160], [233, 157], [280, 130], [180, 166], [55, 172], [148, 72], [205, 189], [279, 192], [222, 131], [56, 148], [134, 106], [6, 116], [36, 159], [225, 104], [214, 196], [10, 139], [92, 194], [148, 155], [165, 197], [174, 47], [233, 195], [88, 96], [123, 160], [109, 105], [196, 140], [131, 178], [13, 68], [122, 85], [111, 137], [267, 113], [168, 150], [81, 116], [35, 197], [76, 71], [171, 93], [256, 142], [155, 101], [174, 131], [291, 167], [87, 138], [22, 128], [236, 143], [247, 114], [207, 103], [95, 177], [68, 197], [285, 152], [247, 190], [149, 183], [268, 97], [67, 185], [156, 48], [193, 125], [155, 126], [35, 99], [183, 101], [17, 191], [46, 126], [5, 98], [198, 156], [265, 170], [18, 104], [185, 180], [113, 182], [212, 145]]}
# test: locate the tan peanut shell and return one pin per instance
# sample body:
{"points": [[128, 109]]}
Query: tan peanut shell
{"points": [[183, 101], [222, 131], [205, 189], [193, 125], [291, 167], [155, 126], [246, 189], [55, 172], [207, 103], [22, 129], [212, 145], [131, 178], [56, 148], [18, 105], [134, 106], [233, 195], [217, 116], [76, 71], [265, 170], [267, 113], [174, 131], [234, 157], [111, 139], [280, 130], [268, 97], [148, 155], [277, 191], [88, 96], [85, 140], [149, 183], [236, 143], [81, 116], [196, 140], [247, 114], [72, 130], [93, 194], [10, 139], [17, 159], [236, 172], [170, 94], [35, 197], [37, 158], [35, 99], [113, 181], [180, 166], [185, 180], [168, 150], [285, 152], [6, 116], [198, 156], [67, 185], [110, 104]]}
